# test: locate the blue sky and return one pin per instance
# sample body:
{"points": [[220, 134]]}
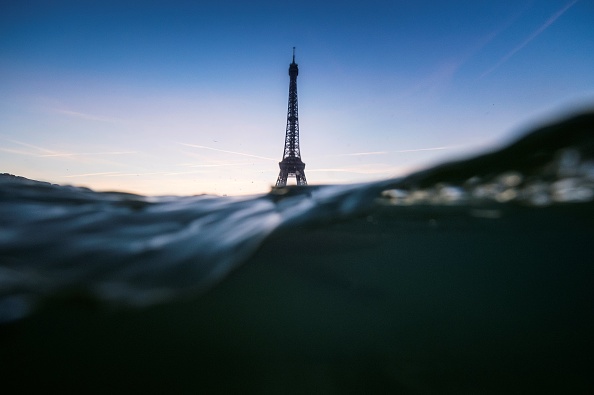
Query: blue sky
{"points": [[183, 97]]}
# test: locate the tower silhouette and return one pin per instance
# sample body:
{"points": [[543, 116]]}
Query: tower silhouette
{"points": [[291, 165]]}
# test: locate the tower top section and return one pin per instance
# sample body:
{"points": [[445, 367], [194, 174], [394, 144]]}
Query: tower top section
{"points": [[293, 69]]}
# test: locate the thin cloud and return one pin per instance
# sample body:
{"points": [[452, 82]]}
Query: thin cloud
{"points": [[140, 174], [423, 149], [367, 169], [92, 174], [161, 173], [82, 115], [437, 80], [228, 152], [215, 165], [118, 174], [397, 152], [335, 170], [158, 173], [85, 154], [47, 153], [534, 34], [446, 71], [28, 146], [366, 153], [18, 152]]}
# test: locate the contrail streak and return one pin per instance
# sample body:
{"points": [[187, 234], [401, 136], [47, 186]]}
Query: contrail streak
{"points": [[535, 34], [116, 174], [354, 170], [53, 154], [216, 165], [90, 117], [16, 151], [228, 152], [29, 146], [92, 174], [87, 154], [422, 149], [366, 153], [396, 152]]}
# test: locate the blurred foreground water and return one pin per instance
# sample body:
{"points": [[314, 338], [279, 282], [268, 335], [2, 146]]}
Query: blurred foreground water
{"points": [[474, 277]]}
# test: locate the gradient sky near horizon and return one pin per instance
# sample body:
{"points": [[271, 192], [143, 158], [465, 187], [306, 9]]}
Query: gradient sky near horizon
{"points": [[190, 97]]}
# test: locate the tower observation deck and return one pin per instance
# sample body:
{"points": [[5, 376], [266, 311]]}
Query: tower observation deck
{"points": [[291, 165]]}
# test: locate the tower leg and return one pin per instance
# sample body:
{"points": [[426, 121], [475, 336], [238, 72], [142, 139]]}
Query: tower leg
{"points": [[300, 177], [281, 181]]}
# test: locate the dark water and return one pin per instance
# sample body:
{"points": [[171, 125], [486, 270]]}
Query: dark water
{"points": [[474, 277]]}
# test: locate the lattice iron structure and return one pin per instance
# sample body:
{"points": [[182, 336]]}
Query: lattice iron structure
{"points": [[291, 165]]}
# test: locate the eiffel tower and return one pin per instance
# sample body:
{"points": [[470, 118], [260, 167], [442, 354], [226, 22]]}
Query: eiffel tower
{"points": [[291, 165]]}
